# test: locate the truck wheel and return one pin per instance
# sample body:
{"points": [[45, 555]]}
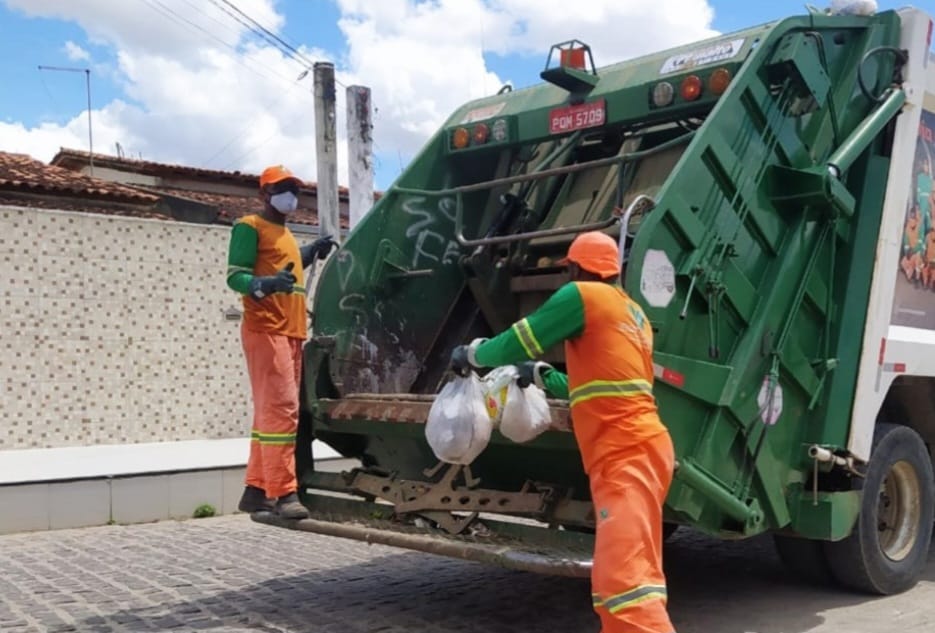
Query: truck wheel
{"points": [[887, 550], [804, 558]]}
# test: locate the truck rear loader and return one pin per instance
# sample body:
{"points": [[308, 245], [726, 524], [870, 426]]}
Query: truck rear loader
{"points": [[772, 194]]}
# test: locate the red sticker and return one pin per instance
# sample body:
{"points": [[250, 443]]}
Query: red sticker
{"points": [[673, 377]]}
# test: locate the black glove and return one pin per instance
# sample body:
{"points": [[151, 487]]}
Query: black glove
{"points": [[531, 372], [462, 357], [460, 363], [319, 248], [283, 281]]}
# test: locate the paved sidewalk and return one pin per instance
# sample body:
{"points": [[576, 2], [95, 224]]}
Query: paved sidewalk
{"points": [[230, 575]]}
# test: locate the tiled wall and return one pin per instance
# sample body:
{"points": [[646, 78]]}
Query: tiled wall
{"points": [[112, 330]]}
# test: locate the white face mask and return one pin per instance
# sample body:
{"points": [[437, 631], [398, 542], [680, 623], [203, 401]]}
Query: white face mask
{"points": [[285, 202]]}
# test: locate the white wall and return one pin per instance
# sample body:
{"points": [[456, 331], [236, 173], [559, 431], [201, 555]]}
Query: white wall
{"points": [[112, 330]]}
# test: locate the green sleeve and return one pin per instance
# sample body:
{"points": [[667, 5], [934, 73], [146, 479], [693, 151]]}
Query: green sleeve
{"points": [[556, 383], [241, 256], [559, 318]]}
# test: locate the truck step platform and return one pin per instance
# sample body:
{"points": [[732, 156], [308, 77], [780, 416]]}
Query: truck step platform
{"points": [[528, 546]]}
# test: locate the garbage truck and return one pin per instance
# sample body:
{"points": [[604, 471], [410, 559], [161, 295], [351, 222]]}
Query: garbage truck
{"points": [[772, 194]]}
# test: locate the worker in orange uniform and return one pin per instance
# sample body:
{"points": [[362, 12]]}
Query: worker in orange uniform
{"points": [[626, 450], [265, 265]]}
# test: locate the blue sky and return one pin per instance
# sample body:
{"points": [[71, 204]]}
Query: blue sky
{"points": [[182, 81]]}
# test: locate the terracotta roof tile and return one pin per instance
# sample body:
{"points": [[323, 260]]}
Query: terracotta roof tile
{"points": [[83, 206], [231, 207], [73, 159], [22, 173]]}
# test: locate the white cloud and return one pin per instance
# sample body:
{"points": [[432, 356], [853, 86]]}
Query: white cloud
{"points": [[424, 59], [75, 53], [211, 95]]}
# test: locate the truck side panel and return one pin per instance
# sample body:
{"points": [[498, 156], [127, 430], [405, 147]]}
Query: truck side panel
{"points": [[890, 347]]}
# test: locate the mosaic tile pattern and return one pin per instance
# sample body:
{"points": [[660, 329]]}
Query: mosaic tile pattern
{"points": [[113, 331]]}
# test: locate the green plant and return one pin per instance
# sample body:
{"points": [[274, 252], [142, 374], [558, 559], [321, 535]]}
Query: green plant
{"points": [[204, 510]]}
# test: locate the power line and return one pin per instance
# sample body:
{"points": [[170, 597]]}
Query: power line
{"points": [[165, 11], [49, 92], [295, 52], [287, 49], [256, 146], [224, 24], [269, 36]]}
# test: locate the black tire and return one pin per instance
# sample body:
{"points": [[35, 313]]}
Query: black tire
{"points": [[887, 551], [804, 558]]}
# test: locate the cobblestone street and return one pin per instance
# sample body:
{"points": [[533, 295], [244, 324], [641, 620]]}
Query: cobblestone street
{"points": [[230, 575]]}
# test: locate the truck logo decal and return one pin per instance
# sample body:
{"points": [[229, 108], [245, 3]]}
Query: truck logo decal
{"points": [[485, 112], [701, 56]]}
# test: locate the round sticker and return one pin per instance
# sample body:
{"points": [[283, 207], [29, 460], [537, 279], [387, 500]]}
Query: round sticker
{"points": [[657, 279]]}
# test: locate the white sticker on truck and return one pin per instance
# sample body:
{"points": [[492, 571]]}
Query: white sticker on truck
{"points": [[657, 279], [485, 112], [700, 56], [770, 404]]}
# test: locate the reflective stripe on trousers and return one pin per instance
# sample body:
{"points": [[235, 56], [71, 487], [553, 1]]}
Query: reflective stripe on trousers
{"points": [[630, 598]]}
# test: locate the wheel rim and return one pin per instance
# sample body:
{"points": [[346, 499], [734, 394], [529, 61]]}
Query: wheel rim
{"points": [[899, 511]]}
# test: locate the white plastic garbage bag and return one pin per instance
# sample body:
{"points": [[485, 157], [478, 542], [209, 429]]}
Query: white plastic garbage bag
{"points": [[526, 413], [496, 384], [459, 427]]}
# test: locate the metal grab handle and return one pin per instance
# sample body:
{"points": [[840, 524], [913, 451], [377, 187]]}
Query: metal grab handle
{"points": [[518, 237], [638, 201]]}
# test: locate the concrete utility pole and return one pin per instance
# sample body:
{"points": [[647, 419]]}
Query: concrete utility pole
{"points": [[326, 151], [359, 152], [87, 79]]}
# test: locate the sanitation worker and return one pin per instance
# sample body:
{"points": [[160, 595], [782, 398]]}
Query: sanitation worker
{"points": [[626, 450], [265, 265]]}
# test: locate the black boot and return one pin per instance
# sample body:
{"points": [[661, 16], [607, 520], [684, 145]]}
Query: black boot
{"points": [[289, 507], [254, 500]]}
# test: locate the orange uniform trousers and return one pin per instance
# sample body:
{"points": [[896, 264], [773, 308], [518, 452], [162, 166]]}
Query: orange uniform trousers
{"points": [[628, 489], [274, 363]]}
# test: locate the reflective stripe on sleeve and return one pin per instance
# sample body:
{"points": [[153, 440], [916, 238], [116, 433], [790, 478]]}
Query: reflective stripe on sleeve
{"points": [[527, 339], [232, 270]]}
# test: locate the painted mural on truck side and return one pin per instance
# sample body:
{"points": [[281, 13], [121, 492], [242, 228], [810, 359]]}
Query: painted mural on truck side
{"points": [[914, 299]]}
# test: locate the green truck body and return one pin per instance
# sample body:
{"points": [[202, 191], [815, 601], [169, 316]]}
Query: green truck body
{"points": [[747, 178]]}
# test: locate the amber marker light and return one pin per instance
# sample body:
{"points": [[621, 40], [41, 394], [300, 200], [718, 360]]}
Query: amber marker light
{"points": [[460, 138], [718, 81], [691, 88]]}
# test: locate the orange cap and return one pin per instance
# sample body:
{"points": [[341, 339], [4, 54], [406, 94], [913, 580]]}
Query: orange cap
{"points": [[595, 252], [276, 173]]}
